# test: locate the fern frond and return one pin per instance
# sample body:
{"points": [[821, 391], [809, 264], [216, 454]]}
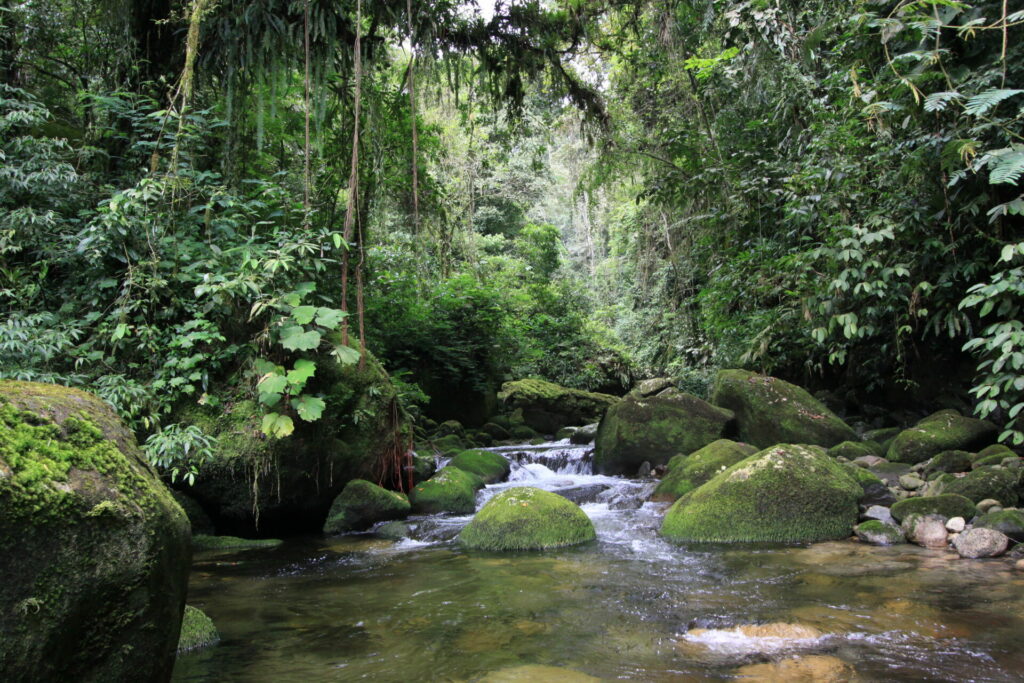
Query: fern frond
{"points": [[984, 102], [1006, 168], [938, 101]]}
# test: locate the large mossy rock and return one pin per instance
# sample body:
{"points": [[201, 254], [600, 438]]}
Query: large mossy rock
{"points": [[491, 467], [945, 505], [361, 504], [656, 428], [197, 631], [257, 485], [686, 473], [770, 411], [94, 552], [998, 483], [787, 493], [548, 407], [526, 518], [944, 431], [450, 490]]}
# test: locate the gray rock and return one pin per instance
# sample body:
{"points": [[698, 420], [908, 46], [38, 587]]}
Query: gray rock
{"points": [[584, 435], [882, 514], [868, 461], [987, 505], [650, 387], [956, 525], [911, 482], [975, 543], [644, 471], [586, 493]]}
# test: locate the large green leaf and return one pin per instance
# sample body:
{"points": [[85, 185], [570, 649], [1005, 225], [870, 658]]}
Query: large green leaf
{"points": [[304, 369], [303, 315], [346, 355], [293, 338], [310, 408], [277, 425], [329, 317]]}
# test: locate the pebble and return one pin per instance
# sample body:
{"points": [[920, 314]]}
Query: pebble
{"points": [[911, 482], [956, 524], [987, 505], [1019, 565]]}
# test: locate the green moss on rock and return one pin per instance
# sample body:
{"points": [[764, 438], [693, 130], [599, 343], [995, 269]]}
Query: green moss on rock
{"points": [[654, 429], [94, 551], [879, 533], [1009, 522], [851, 450], [361, 504], [994, 449], [450, 490], [945, 431], [523, 433], [491, 467], [770, 411], [685, 473], [204, 543], [547, 407], [525, 518], [995, 459], [945, 505], [987, 482], [883, 436], [197, 631], [787, 493], [948, 461]]}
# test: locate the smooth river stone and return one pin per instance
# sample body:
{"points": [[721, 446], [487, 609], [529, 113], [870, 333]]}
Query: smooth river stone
{"points": [[977, 543], [810, 669], [534, 673]]}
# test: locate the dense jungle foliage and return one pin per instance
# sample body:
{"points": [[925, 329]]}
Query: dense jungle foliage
{"points": [[585, 191]]}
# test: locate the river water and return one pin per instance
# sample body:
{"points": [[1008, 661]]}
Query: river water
{"points": [[627, 607]]}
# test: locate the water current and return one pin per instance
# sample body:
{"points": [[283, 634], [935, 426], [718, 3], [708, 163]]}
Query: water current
{"points": [[628, 607]]}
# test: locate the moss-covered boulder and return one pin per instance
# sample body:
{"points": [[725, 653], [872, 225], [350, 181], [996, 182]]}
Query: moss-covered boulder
{"points": [[548, 407], [948, 461], [197, 631], [770, 411], [787, 493], [851, 450], [361, 504], [654, 429], [1009, 522], [877, 532], [203, 543], [987, 482], [875, 490], [255, 485], [491, 467], [685, 473], [945, 505], [999, 458], [450, 490], [944, 431], [94, 552], [525, 518], [994, 449], [883, 436]]}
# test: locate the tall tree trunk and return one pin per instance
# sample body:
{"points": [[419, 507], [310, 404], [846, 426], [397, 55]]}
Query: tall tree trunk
{"points": [[353, 178], [306, 175], [415, 127]]}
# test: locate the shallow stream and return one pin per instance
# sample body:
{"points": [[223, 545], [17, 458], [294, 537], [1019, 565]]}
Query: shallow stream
{"points": [[360, 607]]}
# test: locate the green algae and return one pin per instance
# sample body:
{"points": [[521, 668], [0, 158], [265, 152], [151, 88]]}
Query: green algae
{"points": [[526, 518], [197, 631], [489, 466]]}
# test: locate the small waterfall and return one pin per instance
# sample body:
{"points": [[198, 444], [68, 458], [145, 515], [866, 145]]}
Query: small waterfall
{"points": [[559, 457]]}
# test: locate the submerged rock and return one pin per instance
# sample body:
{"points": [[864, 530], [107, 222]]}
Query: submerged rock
{"points": [[685, 473], [770, 411], [977, 543], [536, 673], [654, 429], [787, 493], [750, 639], [491, 467], [450, 490], [547, 407], [525, 518], [945, 431], [361, 504], [197, 631], [809, 669], [94, 552]]}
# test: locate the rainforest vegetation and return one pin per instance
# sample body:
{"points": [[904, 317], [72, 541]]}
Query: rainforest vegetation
{"points": [[588, 192]]}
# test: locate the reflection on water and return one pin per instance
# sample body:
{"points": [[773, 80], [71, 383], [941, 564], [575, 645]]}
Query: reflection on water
{"points": [[358, 607]]}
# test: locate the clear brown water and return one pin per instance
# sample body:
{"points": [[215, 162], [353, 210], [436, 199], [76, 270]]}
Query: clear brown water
{"points": [[362, 608]]}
